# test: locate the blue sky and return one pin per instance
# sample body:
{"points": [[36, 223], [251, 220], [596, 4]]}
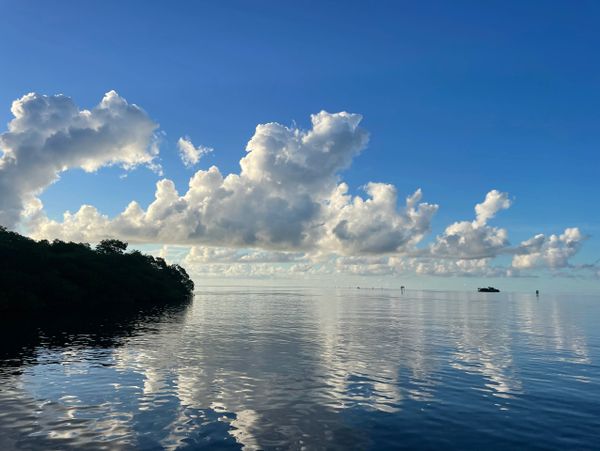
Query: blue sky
{"points": [[459, 98]]}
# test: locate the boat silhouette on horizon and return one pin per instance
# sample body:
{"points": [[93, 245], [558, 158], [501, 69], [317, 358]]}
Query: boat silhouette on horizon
{"points": [[488, 290]]}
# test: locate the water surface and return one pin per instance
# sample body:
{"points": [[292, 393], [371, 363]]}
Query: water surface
{"points": [[310, 369]]}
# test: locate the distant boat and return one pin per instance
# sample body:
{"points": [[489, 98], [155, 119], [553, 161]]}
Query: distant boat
{"points": [[488, 290]]}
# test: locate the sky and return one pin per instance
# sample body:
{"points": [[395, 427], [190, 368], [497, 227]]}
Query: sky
{"points": [[311, 142]]}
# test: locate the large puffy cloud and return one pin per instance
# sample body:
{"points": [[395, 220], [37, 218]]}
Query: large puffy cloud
{"points": [[292, 159], [475, 239], [375, 225], [287, 197], [551, 252], [50, 134]]}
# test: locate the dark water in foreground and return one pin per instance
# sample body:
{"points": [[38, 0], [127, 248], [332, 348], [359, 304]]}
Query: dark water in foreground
{"points": [[311, 369]]}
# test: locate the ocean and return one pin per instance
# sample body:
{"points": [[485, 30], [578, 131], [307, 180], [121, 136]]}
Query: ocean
{"points": [[300, 368]]}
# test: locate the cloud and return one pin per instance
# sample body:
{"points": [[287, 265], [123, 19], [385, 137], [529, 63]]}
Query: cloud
{"points": [[552, 252], [291, 159], [286, 212], [375, 225], [476, 239], [493, 203], [50, 134], [364, 266], [286, 197], [450, 268], [219, 262], [190, 155], [204, 254]]}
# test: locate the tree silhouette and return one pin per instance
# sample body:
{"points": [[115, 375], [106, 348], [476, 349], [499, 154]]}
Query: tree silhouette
{"points": [[38, 276], [111, 247]]}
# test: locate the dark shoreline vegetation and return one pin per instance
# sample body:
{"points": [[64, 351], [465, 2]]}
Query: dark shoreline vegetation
{"points": [[43, 276]]}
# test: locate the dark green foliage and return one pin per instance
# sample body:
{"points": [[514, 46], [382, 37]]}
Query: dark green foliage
{"points": [[41, 275], [111, 247]]}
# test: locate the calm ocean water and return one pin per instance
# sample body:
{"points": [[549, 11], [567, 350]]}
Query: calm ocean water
{"points": [[311, 369]]}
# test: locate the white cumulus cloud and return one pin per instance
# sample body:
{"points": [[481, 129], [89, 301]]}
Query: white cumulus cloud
{"points": [[475, 239], [551, 252], [493, 203], [50, 134]]}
